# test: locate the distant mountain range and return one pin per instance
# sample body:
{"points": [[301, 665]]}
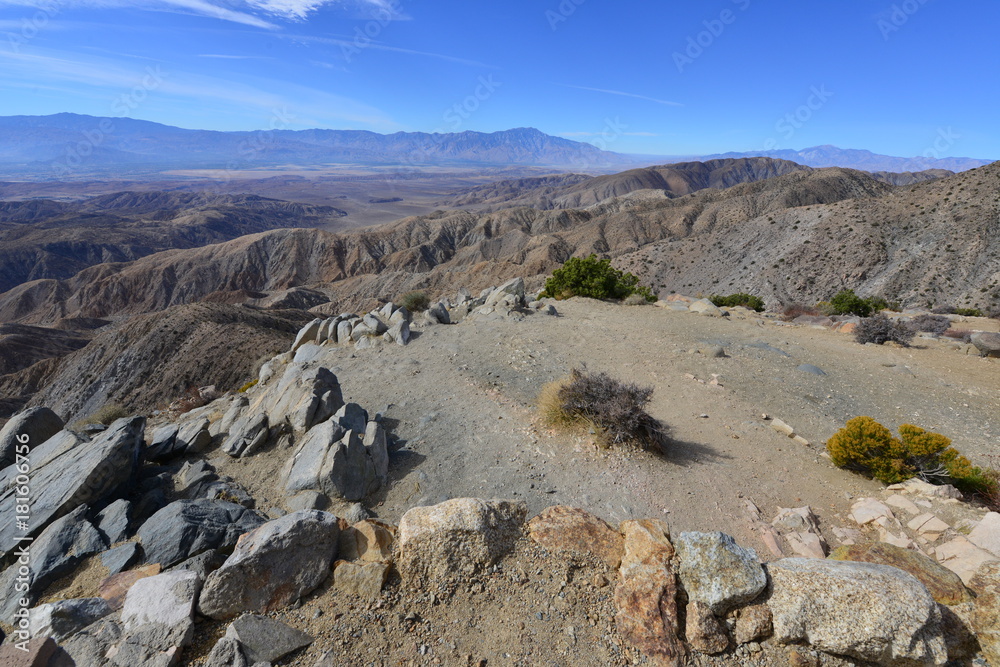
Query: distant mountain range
{"points": [[64, 144], [851, 158]]}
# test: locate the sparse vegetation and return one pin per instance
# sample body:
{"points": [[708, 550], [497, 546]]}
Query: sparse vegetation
{"points": [[868, 447], [415, 302], [846, 302], [635, 300], [248, 386], [594, 278], [106, 415], [879, 329], [739, 299], [614, 409], [969, 312], [935, 324]]}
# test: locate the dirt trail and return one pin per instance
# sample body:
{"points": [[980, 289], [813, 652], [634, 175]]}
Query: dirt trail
{"points": [[460, 399]]}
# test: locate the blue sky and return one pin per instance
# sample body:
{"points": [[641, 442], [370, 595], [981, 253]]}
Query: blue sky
{"points": [[903, 77]]}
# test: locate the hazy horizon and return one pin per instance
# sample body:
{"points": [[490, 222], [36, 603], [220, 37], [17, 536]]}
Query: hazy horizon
{"points": [[903, 78]]}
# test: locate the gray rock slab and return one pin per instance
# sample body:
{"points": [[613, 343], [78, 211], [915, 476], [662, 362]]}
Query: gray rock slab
{"points": [[265, 640], [66, 617], [27, 429], [185, 528]]}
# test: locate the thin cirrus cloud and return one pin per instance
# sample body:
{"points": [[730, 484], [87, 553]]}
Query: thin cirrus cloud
{"points": [[245, 12], [351, 45], [623, 94]]}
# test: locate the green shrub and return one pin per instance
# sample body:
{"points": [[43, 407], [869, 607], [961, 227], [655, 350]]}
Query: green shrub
{"points": [[615, 409], [969, 312], [415, 302], [739, 299], [865, 446], [635, 300], [880, 329], [846, 302], [594, 278], [248, 386]]}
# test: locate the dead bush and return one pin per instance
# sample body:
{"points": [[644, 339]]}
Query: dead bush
{"points": [[793, 310], [935, 324], [615, 409], [879, 329]]}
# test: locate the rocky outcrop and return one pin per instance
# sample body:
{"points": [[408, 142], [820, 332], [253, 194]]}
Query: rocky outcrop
{"points": [[25, 431], [717, 572], [562, 528], [273, 565], [186, 528]]}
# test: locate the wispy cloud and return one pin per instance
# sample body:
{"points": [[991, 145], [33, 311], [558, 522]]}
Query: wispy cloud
{"points": [[348, 43], [623, 94], [226, 56]]}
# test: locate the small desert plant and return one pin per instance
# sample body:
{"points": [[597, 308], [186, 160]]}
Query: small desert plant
{"points": [[594, 278], [106, 415], [615, 409], [846, 302], [635, 300], [969, 312], [739, 299], [935, 324], [866, 446], [415, 302], [879, 329], [248, 386], [793, 310]]}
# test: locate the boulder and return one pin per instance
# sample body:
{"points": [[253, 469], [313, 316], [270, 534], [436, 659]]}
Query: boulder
{"points": [[705, 307], [718, 572], [870, 612], [227, 652], [198, 479], [39, 653], [457, 539], [349, 470], [513, 287], [307, 463], [646, 597], [377, 445], [944, 585], [112, 522], [986, 534], [27, 429], [120, 558], [236, 408], [364, 580], [265, 640], [753, 623], [116, 587], [63, 618], [248, 434], [987, 343], [562, 528], [367, 540], [77, 476], [352, 417], [437, 314], [962, 557], [90, 645], [307, 500], [399, 333], [305, 396], [59, 548], [307, 334], [703, 631], [344, 328], [273, 566], [185, 528], [157, 619], [402, 314], [986, 612]]}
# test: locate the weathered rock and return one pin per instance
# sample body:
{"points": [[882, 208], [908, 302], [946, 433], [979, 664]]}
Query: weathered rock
{"points": [[185, 528], [987, 343], [959, 637], [367, 540], [362, 579], [985, 583], [263, 639], [198, 480], [273, 566], [870, 510], [986, 534], [356, 513], [870, 612], [203, 564], [705, 307], [78, 476], [113, 521], [118, 559], [307, 462], [437, 314], [753, 623], [307, 334], [116, 587], [352, 417], [919, 487], [249, 433], [157, 619], [378, 450], [90, 645], [718, 572], [306, 500], [962, 557], [305, 396], [944, 585], [38, 654], [647, 618], [227, 652], [349, 470], [236, 408], [25, 431], [163, 445], [63, 618], [513, 288], [458, 538], [703, 631], [562, 528], [399, 333], [63, 544], [400, 315]]}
